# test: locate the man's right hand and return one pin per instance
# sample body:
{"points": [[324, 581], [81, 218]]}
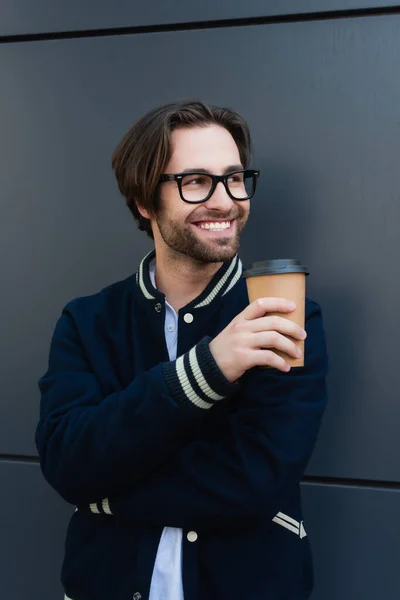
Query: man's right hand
{"points": [[251, 338]]}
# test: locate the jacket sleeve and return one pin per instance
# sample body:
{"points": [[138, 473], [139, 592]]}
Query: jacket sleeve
{"points": [[242, 473], [92, 444]]}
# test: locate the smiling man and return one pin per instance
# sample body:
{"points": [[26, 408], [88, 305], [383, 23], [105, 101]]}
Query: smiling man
{"points": [[198, 223], [183, 457]]}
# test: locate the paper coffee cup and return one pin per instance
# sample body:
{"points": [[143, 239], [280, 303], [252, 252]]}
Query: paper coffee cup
{"points": [[280, 278]]}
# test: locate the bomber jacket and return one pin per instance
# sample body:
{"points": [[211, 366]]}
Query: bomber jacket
{"points": [[137, 442]]}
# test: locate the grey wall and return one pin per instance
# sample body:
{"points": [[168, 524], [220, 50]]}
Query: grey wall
{"points": [[21, 17], [322, 97]]}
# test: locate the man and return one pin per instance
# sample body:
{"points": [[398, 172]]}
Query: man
{"points": [[182, 456]]}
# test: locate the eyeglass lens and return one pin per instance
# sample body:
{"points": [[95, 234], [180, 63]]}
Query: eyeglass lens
{"points": [[197, 187]]}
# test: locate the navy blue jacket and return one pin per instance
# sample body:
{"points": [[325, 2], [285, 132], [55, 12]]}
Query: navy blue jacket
{"points": [[138, 442]]}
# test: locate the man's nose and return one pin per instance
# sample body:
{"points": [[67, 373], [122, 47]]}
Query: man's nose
{"points": [[220, 198]]}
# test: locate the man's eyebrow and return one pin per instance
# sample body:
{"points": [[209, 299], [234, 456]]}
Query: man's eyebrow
{"points": [[229, 169]]}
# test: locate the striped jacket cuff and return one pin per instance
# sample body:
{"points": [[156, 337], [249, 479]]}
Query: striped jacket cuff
{"points": [[195, 378], [101, 508], [296, 527]]}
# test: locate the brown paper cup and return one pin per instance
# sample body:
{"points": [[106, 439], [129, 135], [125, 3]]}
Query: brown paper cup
{"points": [[283, 278]]}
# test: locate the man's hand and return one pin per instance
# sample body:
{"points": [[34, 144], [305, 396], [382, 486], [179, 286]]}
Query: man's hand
{"points": [[245, 342]]}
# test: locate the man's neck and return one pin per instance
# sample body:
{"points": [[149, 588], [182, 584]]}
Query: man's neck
{"points": [[182, 279]]}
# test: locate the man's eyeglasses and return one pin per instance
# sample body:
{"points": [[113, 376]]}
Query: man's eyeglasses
{"points": [[196, 187]]}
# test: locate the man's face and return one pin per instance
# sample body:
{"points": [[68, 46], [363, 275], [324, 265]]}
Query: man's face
{"points": [[211, 148]]}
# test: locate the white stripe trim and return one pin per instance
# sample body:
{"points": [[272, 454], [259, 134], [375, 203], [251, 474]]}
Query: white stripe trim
{"points": [[94, 509], [303, 532], [291, 524], [219, 285], [284, 524], [288, 519], [235, 278], [236, 264], [186, 386], [67, 598], [200, 379], [281, 519], [106, 506], [146, 293]]}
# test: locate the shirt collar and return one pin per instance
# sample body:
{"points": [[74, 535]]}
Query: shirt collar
{"points": [[223, 281]]}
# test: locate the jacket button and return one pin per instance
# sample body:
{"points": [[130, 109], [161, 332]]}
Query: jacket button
{"points": [[188, 318], [158, 308], [192, 536], [137, 596]]}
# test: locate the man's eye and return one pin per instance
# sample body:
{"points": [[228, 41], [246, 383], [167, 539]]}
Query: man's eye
{"points": [[193, 181], [235, 178]]}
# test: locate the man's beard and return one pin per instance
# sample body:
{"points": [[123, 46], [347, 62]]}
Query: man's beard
{"points": [[184, 240]]}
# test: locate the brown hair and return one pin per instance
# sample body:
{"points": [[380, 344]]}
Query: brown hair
{"points": [[141, 156]]}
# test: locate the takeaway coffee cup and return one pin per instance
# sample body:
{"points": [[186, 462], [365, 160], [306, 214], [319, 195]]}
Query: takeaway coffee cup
{"points": [[280, 278]]}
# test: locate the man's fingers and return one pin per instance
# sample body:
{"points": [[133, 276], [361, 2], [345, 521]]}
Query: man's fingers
{"points": [[276, 323], [261, 306], [276, 341], [268, 358]]}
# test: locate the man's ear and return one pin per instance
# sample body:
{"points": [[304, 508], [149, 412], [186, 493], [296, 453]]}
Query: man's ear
{"points": [[145, 213]]}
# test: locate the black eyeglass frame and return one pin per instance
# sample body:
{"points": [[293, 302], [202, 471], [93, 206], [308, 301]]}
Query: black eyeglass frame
{"points": [[215, 180]]}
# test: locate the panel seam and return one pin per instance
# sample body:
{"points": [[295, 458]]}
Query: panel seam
{"points": [[199, 25]]}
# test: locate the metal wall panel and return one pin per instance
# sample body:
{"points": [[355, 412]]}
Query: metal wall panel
{"points": [[33, 524], [323, 101], [19, 17], [355, 541]]}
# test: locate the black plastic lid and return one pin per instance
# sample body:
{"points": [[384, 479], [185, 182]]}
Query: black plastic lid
{"points": [[275, 266]]}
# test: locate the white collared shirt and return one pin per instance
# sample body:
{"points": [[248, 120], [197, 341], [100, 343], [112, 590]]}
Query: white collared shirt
{"points": [[166, 581]]}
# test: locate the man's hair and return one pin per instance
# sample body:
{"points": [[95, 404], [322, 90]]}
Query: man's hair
{"points": [[141, 156]]}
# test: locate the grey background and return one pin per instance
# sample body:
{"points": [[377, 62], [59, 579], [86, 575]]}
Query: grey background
{"points": [[19, 17], [322, 98]]}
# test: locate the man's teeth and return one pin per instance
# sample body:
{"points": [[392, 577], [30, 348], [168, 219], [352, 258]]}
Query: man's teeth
{"points": [[215, 225]]}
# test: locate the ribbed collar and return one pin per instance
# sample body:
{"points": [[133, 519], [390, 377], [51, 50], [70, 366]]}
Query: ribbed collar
{"points": [[223, 281]]}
